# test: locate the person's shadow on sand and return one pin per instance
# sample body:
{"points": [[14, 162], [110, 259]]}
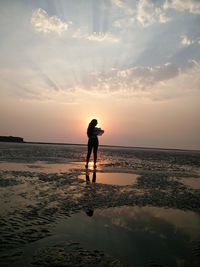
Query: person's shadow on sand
{"points": [[90, 193]]}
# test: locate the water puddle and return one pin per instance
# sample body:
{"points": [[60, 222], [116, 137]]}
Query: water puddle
{"points": [[110, 178], [40, 166], [137, 236], [194, 183]]}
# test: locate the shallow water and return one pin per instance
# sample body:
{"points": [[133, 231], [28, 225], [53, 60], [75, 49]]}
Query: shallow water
{"points": [[40, 166], [137, 236], [142, 207], [110, 178], [194, 183]]}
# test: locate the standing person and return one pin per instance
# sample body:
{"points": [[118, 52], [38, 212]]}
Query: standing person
{"points": [[93, 142]]}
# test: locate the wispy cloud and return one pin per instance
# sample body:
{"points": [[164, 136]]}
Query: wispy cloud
{"points": [[156, 83], [145, 13], [123, 5], [96, 36], [192, 6], [118, 3], [186, 41], [149, 12], [42, 22]]}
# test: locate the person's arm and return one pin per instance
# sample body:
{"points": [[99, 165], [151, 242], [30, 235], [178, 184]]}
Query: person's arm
{"points": [[98, 131]]}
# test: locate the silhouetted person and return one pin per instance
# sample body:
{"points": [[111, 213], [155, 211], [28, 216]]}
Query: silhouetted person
{"points": [[93, 142]]}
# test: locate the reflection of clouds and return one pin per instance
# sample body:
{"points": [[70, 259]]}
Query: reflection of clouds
{"points": [[145, 217]]}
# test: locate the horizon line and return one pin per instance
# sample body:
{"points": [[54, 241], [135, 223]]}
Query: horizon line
{"points": [[106, 145]]}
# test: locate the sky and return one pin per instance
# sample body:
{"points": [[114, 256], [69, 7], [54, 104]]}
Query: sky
{"points": [[134, 65]]}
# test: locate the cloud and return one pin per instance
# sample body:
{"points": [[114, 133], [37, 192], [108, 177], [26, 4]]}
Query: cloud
{"points": [[124, 6], [131, 80], [148, 13], [186, 41], [96, 37], [192, 6], [42, 22], [118, 3], [187, 83], [162, 82]]}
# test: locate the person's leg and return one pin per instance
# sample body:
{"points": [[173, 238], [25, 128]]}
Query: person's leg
{"points": [[90, 145], [95, 149]]}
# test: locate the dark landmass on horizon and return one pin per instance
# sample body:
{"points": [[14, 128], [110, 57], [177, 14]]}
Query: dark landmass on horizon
{"points": [[13, 139]]}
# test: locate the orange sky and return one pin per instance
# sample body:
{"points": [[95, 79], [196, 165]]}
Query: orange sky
{"points": [[132, 65]]}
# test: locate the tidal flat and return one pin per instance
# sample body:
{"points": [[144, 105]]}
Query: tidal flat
{"points": [[141, 207]]}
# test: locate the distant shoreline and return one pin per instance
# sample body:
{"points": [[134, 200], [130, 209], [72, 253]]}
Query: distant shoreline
{"points": [[117, 146], [20, 140]]}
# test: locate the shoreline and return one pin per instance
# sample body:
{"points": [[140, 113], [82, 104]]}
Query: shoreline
{"points": [[112, 146]]}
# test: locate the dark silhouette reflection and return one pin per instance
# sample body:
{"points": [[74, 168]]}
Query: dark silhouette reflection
{"points": [[88, 177], [89, 213], [90, 193]]}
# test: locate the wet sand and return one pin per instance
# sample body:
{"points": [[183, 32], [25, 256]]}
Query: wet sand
{"points": [[140, 208]]}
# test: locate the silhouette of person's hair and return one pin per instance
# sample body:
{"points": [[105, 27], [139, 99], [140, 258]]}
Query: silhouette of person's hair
{"points": [[91, 126]]}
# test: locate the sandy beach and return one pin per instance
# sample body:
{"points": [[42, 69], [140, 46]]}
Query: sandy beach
{"points": [[140, 208]]}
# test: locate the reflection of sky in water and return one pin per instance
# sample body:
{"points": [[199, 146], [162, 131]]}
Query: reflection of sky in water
{"points": [[137, 235], [40, 166], [191, 182], [111, 178]]}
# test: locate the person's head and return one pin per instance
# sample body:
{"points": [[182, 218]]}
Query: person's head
{"points": [[93, 122]]}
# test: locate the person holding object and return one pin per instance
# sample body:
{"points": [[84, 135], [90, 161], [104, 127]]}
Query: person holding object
{"points": [[93, 132]]}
